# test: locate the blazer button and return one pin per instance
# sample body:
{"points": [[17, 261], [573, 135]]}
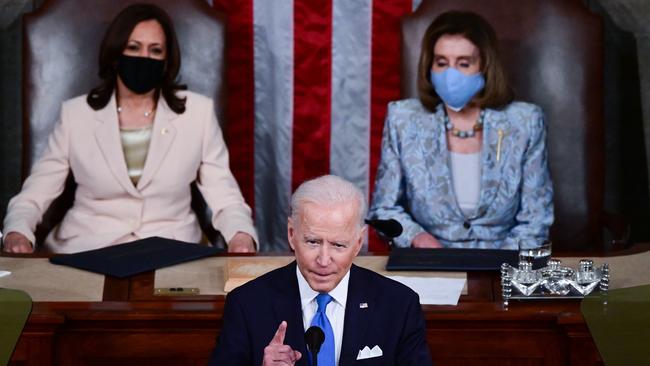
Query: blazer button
{"points": [[466, 225]]}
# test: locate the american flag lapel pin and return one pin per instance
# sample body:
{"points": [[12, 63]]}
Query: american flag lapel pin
{"points": [[363, 305]]}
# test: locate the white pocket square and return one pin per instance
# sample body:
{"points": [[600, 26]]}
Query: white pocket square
{"points": [[366, 352]]}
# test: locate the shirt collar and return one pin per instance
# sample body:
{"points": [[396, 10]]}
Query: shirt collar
{"points": [[307, 294]]}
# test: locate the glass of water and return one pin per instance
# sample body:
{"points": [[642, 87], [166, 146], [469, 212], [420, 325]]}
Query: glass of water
{"points": [[536, 251]]}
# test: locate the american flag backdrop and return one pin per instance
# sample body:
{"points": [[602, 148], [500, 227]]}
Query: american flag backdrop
{"points": [[307, 86]]}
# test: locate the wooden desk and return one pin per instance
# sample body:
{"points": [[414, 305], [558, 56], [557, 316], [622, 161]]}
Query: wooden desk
{"points": [[134, 327]]}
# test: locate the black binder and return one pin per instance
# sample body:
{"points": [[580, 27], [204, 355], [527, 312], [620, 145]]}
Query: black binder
{"points": [[138, 256], [449, 259]]}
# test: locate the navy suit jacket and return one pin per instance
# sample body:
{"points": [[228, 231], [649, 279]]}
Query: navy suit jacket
{"points": [[393, 320]]}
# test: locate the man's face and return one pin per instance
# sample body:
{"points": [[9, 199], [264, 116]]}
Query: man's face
{"points": [[325, 239]]}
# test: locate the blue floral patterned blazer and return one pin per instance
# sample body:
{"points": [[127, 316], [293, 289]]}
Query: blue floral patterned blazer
{"points": [[414, 183]]}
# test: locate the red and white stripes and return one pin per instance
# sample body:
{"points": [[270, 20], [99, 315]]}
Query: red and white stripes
{"points": [[308, 82]]}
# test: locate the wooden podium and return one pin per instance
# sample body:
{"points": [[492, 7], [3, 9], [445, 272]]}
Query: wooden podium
{"points": [[128, 325]]}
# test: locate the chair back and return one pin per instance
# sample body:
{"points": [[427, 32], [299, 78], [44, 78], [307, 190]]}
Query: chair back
{"points": [[553, 53], [61, 50]]}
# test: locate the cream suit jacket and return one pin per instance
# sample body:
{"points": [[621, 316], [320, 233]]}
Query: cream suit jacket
{"points": [[108, 209]]}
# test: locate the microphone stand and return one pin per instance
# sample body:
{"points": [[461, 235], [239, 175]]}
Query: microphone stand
{"points": [[389, 229]]}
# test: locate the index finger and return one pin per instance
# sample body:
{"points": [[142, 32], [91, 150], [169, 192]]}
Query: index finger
{"points": [[278, 338]]}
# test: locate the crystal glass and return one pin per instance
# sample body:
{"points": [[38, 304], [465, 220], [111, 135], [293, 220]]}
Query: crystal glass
{"points": [[587, 277], [525, 279], [557, 278], [536, 251]]}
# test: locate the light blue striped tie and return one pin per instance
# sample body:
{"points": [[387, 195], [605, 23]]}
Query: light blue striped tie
{"points": [[327, 355]]}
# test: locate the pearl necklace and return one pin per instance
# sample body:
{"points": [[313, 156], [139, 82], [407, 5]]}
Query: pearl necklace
{"points": [[146, 113], [478, 126]]}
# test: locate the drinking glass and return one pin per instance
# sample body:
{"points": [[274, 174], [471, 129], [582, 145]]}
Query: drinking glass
{"points": [[536, 251]]}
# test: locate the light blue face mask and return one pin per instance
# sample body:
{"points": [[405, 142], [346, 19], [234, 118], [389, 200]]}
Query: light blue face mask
{"points": [[455, 88]]}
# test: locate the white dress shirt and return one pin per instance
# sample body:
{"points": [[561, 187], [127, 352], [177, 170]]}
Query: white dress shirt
{"points": [[335, 309]]}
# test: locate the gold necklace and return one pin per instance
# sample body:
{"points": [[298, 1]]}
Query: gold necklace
{"points": [[146, 113]]}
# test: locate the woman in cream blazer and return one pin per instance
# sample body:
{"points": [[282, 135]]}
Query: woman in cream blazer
{"points": [[108, 208], [116, 201]]}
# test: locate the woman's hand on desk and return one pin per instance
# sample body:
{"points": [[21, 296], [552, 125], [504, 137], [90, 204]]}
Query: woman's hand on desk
{"points": [[241, 243], [15, 242], [426, 240]]}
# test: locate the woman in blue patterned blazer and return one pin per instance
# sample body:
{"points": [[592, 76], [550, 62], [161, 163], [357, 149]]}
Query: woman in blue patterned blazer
{"points": [[464, 165]]}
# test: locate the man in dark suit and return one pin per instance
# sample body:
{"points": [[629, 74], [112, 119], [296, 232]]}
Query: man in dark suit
{"points": [[366, 318]]}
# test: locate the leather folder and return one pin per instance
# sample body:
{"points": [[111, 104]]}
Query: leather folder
{"points": [[135, 257], [449, 259]]}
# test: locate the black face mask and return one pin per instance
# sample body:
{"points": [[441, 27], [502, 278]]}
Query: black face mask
{"points": [[140, 74]]}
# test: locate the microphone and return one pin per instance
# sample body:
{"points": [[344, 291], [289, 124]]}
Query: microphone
{"points": [[314, 337], [390, 228]]}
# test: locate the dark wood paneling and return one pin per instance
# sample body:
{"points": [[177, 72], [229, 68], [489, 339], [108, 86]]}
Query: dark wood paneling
{"points": [[149, 330]]}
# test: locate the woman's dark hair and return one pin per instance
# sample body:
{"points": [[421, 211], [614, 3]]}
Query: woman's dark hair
{"points": [[497, 92], [113, 44]]}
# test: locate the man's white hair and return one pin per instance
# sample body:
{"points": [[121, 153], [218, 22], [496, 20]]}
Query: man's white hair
{"points": [[328, 190]]}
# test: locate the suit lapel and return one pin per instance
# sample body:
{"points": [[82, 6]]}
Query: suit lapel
{"points": [[440, 171], [162, 136], [107, 134], [287, 307], [359, 312], [495, 128]]}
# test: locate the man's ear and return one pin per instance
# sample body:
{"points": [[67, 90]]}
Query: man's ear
{"points": [[290, 232], [362, 235]]}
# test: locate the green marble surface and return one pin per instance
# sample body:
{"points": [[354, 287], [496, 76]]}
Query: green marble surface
{"points": [[619, 322], [15, 306]]}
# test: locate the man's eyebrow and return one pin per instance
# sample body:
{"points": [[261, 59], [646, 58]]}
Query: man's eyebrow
{"points": [[341, 242]]}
